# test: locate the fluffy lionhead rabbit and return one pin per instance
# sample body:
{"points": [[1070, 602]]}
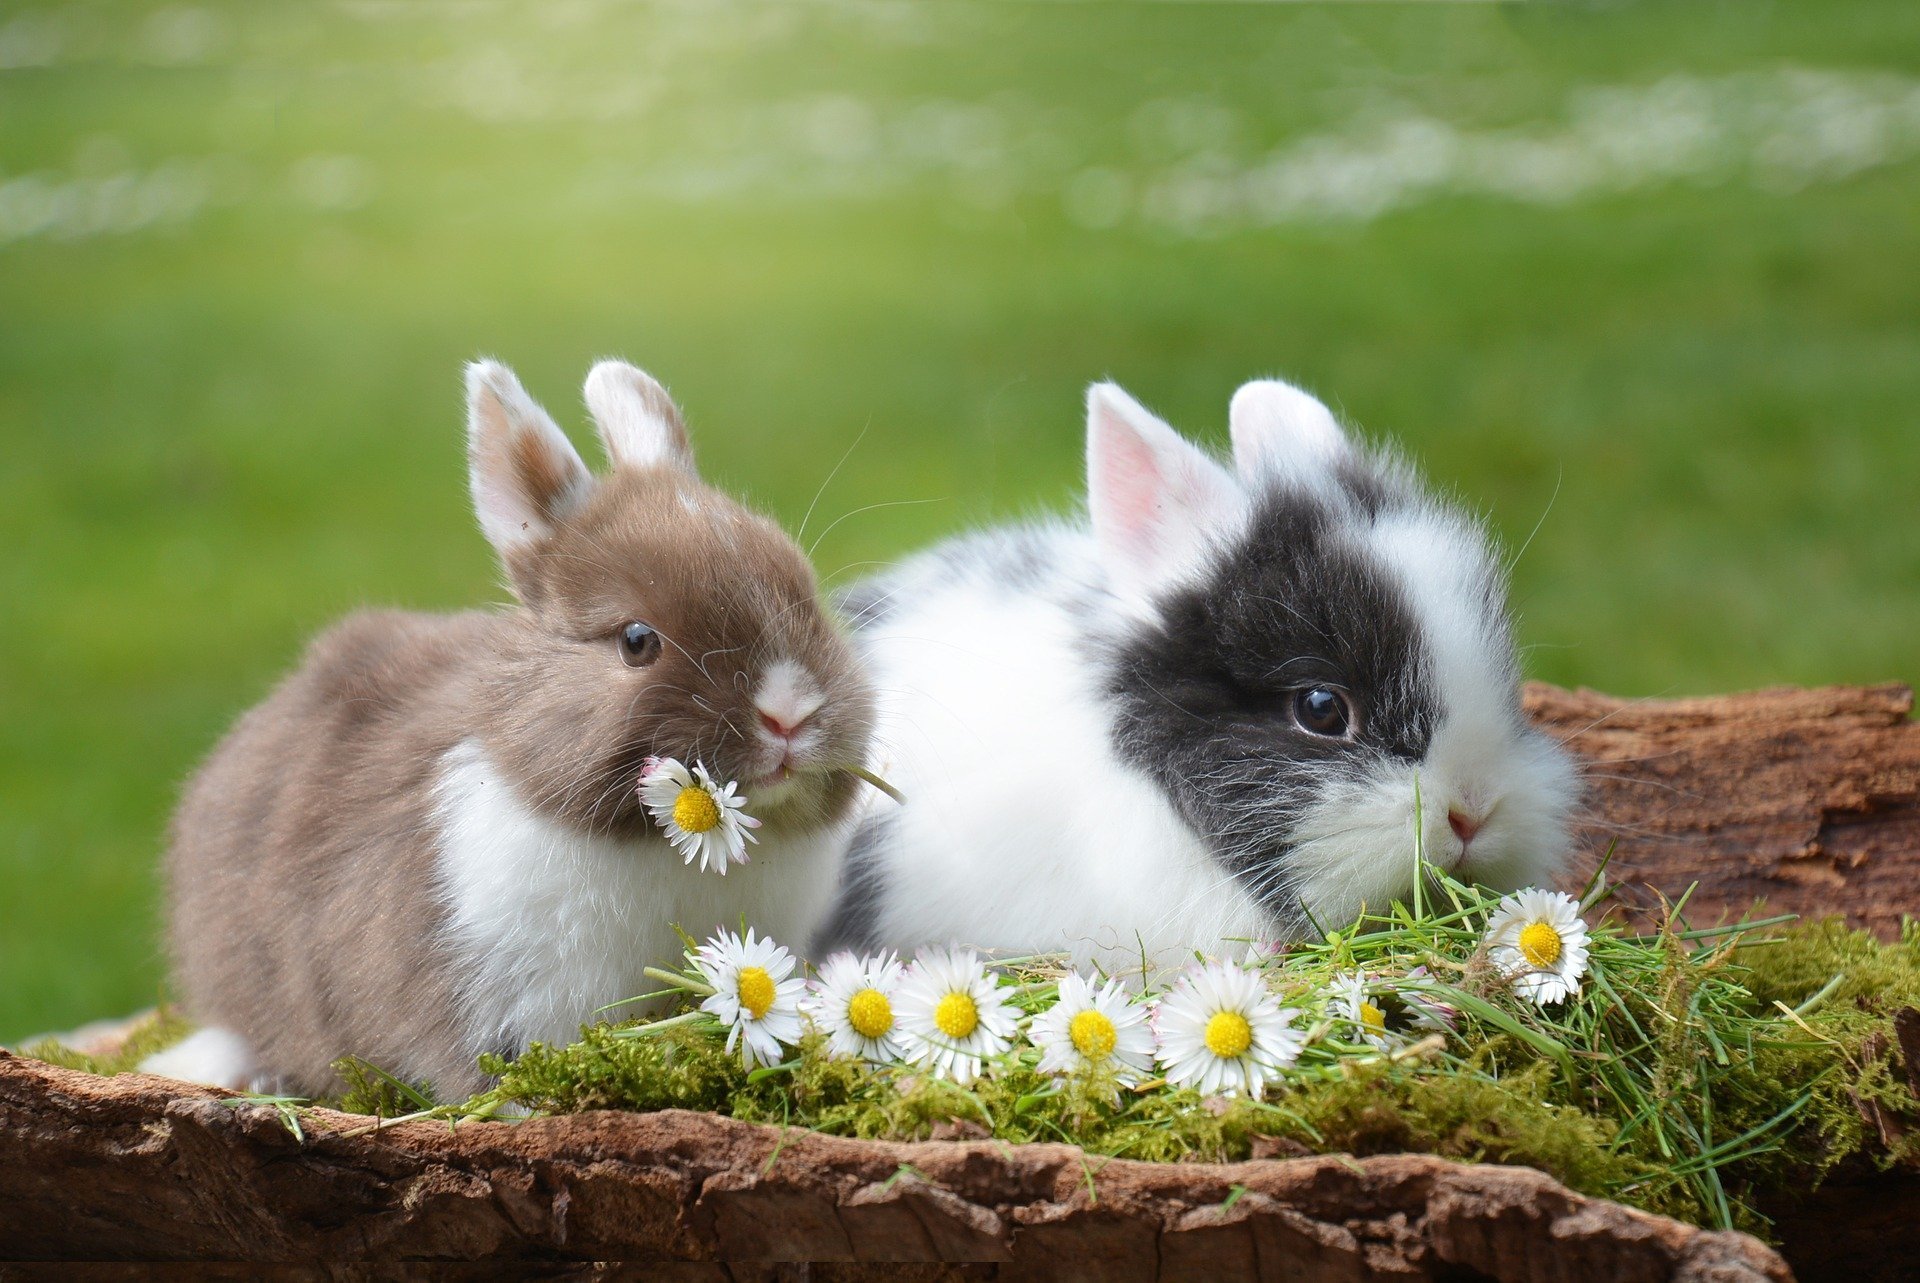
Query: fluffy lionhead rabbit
{"points": [[428, 844], [1212, 712]]}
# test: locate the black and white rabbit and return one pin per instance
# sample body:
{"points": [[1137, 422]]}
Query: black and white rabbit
{"points": [[1210, 712]]}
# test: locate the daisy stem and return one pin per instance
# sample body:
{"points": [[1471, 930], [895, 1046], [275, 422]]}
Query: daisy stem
{"points": [[861, 772], [671, 1022], [684, 983]]}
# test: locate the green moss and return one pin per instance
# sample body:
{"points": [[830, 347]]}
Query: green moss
{"points": [[157, 1032], [1847, 988], [369, 1089], [674, 1069]]}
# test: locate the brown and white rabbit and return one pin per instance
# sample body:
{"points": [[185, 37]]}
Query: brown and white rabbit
{"points": [[428, 844]]}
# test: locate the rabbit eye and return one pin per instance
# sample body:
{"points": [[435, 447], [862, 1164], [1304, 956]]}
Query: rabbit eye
{"points": [[639, 644], [1322, 710]]}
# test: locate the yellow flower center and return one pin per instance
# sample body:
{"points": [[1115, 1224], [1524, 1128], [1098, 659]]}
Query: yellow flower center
{"points": [[695, 811], [1229, 1035], [756, 991], [870, 1014], [1093, 1034], [956, 1015], [1540, 944], [1372, 1019]]}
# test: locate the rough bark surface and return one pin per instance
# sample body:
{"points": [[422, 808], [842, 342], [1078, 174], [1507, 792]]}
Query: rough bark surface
{"points": [[1808, 800], [138, 1167]]}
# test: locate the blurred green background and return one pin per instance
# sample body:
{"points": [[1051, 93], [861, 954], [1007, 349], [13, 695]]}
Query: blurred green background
{"points": [[1645, 276]]}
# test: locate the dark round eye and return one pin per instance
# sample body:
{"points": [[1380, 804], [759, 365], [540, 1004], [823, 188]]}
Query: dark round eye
{"points": [[639, 644], [1322, 710]]}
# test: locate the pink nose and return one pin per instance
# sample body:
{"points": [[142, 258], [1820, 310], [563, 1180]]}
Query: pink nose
{"points": [[1464, 826], [780, 728]]}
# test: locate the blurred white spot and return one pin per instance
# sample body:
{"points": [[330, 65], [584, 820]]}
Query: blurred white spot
{"points": [[86, 206], [1097, 198], [182, 34], [1780, 130], [838, 128], [30, 40], [332, 182], [1165, 128]]}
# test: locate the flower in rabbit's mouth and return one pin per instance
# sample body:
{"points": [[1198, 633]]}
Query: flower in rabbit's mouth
{"points": [[1094, 1029], [955, 1013], [1384, 1016], [1219, 1030], [1540, 941], [853, 1003], [702, 820], [755, 994]]}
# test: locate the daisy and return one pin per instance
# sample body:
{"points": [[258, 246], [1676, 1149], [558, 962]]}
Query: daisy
{"points": [[853, 1004], [1219, 1030], [755, 994], [702, 820], [954, 1013], [1539, 939], [1384, 1016], [1089, 1029]]}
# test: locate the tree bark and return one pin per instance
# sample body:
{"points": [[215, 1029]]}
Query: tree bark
{"points": [[141, 1168], [1804, 801]]}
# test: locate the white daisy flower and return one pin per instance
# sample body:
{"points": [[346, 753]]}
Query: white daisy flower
{"points": [[853, 1003], [1384, 1015], [755, 994], [1539, 939], [702, 820], [1220, 1030], [1091, 1028], [954, 1013]]}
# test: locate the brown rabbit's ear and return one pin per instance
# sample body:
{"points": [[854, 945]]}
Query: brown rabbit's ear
{"points": [[639, 424], [526, 476]]}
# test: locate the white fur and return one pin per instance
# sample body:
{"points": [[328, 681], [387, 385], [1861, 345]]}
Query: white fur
{"points": [[1280, 431], [499, 411], [1023, 828], [636, 418], [547, 924], [216, 1057], [1155, 500]]}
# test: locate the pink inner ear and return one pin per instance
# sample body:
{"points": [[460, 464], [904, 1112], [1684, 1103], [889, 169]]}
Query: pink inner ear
{"points": [[1132, 499]]}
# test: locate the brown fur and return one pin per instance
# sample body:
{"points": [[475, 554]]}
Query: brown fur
{"points": [[304, 907]]}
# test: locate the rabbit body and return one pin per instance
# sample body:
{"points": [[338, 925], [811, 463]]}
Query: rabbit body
{"points": [[1231, 706], [427, 843]]}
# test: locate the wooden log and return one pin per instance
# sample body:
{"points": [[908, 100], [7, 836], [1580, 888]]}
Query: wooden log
{"points": [[142, 1168], [1807, 801]]}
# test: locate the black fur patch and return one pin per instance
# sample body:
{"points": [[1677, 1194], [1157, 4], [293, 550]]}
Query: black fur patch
{"points": [[855, 921], [1205, 697]]}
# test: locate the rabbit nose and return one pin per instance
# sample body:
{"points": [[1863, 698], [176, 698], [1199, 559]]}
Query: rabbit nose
{"points": [[779, 727], [1464, 826]]}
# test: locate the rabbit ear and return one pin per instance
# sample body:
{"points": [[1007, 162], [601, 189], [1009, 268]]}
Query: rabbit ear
{"points": [[1278, 429], [1155, 498], [639, 423], [524, 472]]}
